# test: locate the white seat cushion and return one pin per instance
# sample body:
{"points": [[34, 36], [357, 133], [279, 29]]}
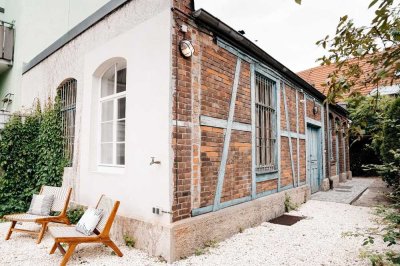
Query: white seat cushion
{"points": [[89, 221]]}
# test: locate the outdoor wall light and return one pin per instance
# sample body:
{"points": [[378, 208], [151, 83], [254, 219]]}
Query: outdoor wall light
{"points": [[315, 108], [186, 48]]}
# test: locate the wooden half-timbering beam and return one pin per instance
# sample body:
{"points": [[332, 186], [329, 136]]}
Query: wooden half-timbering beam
{"points": [[288, 131], [220, 123], [227, 138], [297, 139], [253, 131]]}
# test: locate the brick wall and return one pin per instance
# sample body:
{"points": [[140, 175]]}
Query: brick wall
{"points": [[204, 88]]}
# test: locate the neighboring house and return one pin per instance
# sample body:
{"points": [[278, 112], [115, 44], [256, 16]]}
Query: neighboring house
{"points": [[195, 147], [318, 77], [26, 28]]}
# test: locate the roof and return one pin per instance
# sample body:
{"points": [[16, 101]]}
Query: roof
{"points": [[386, 90], [74, 32], [232, 36], [318, 76]]}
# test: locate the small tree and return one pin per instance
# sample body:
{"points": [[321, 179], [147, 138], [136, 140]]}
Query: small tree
{"points": [[366, 55]]}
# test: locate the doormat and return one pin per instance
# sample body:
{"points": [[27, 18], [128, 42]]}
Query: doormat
{"points": [[287, 220]]}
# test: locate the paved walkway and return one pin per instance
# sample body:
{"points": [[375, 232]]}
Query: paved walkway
{"points": [[375, 194], [346, 192]]}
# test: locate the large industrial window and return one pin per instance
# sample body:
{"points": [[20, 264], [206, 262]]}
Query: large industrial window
{"points": [[67, 94], [265, 125], [112, 116]]}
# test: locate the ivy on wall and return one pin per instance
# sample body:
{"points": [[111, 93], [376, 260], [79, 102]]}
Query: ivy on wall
{"points": [[31, 155]]}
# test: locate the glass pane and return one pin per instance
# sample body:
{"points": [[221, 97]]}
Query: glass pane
{"points": [[121, 80], [121, 153], [107, 111], [121, 108], [107, 132], [107, 82], [106, 153], [121, 130]]}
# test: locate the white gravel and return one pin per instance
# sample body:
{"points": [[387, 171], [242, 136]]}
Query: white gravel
{"points": [[317, 240]]}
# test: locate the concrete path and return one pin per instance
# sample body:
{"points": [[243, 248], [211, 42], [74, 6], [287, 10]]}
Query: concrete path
{"points": [[346, 192], [375, 194]]}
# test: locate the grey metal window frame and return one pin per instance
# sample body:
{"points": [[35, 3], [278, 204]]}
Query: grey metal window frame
{"points": [[67, 92], [266, 125]]}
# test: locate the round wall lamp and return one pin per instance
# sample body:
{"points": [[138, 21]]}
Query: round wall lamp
{"points": [[186, 48]]}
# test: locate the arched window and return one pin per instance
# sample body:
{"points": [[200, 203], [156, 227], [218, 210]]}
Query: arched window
{"points": [[67, 93], [113, 115]]}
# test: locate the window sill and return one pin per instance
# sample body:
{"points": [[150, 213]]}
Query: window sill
{"points": [[265, 176], [111, 169]]}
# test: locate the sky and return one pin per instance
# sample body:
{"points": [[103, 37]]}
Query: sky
{"points": [[285, 30]]}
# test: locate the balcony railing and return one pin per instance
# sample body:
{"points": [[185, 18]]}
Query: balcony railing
{"points": [[7, 36]]}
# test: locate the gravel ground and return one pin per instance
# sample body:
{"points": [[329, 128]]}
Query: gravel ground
{"points": [[316, 240]]}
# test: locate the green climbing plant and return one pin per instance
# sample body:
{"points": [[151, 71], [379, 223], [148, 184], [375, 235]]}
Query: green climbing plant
{"points": [[31, 155]]}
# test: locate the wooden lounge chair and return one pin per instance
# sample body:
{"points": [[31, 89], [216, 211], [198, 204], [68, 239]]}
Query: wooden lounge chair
{"points": [[60, 204], [71, 237]]}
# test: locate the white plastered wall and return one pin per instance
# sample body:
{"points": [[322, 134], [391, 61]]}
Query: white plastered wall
{"points": [[140, 33], [140, 186]]}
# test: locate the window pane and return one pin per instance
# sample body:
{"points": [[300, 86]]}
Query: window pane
{"points": [[107, 132], [121, 130], [121, 80], [121, 153], [121, 108], [107, 111], [107, 82], [106, 153]]}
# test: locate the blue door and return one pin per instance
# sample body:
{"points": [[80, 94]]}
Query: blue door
{"points": [[314, 157]]}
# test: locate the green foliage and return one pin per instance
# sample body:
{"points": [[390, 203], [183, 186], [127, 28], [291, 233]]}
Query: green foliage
{"points": [[289, 205], [388, 258], [75, 214], [363, 55], [368, 115], [391, 132], [51, 161], [29, 158], [129, 241], [18, 155], [206, 247]]}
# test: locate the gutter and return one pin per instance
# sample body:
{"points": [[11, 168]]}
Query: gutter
{"points": [[237, 39]]}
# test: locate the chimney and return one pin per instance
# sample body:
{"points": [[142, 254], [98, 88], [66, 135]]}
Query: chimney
{"points": [[186, 6]]}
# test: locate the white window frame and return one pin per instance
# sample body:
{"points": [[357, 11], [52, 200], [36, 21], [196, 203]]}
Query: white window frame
{"points": [[113, 97]]}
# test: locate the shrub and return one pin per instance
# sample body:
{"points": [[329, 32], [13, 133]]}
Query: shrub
{"points": [[18, 156], [51, 160], [75, 214], [289, 205], [391, 132], [129, 241], [31, 155]]}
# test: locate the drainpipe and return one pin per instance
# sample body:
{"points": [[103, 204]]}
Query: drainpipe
{"points": [[328, 147]]}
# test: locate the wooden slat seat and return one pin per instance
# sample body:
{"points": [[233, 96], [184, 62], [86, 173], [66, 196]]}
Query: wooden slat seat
{"points": [[60, 232], [25, 217], [72, 238], [60, 204]]}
